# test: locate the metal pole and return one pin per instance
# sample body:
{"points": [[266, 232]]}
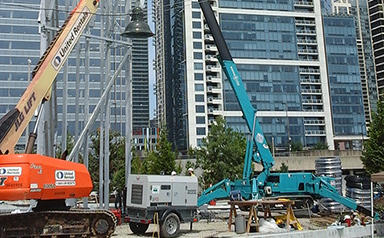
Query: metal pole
{"points": [[65, 103], [86, 109], [52, 123], [77, 96], [372, 214], [128, 105], [98, 107], [43, 46], [29, 80], [102, 66], [362, 136], [65, 90], [288, 132], [107, 127], [100, 38], [108, 32], [128, 118]]}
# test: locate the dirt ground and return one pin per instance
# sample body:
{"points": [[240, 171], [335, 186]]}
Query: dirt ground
{"points": [[200, 229], [218, 228]]}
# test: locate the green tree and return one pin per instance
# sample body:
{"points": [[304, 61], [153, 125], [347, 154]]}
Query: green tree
{"points": [[116, 156], [284, 168], [70, 145], [221, 154], [118, 179], [320, 146], [373, 153], [163, 159], [296, 146], [138, 165]]}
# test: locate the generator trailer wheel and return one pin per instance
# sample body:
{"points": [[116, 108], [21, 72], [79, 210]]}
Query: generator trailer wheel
{"points": [[170, 227]]}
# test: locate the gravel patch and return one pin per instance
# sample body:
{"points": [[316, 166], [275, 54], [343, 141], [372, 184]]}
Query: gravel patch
{"points": [[200, 229]]}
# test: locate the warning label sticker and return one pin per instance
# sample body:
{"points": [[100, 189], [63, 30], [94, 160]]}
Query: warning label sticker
{"points": [[10, 171], [65, 175]]}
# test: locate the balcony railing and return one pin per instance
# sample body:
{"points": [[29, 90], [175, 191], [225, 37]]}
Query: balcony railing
{"points": [[312, 101], [310, 80], [311, 90], [304, 3], [314, 132], [303, 70], [314, 122]]}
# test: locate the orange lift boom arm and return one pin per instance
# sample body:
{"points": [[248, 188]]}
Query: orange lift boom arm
{"points": [[15, 121]]}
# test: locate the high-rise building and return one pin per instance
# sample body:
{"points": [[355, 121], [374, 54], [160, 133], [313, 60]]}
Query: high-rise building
{"points": [[280, 49], [359, 10], [344, 81], [140, 84], [376, 14], [170, 70], [20, 42]]}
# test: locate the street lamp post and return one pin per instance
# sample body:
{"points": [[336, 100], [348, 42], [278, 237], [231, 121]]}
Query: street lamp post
{"points": [[137, 28], [29, 80], [362, 136], [288, 132]]}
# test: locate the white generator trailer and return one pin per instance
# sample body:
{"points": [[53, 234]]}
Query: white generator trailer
{"points": [[173, 198]]}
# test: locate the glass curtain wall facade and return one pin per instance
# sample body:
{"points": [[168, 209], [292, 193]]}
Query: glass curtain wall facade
{"points": [[170, 70], [344, 80], [20, 41], [359, 10], [278, 47], [280, 52]]}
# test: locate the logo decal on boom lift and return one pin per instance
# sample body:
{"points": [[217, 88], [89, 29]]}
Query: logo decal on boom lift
{"points": [[2, 180], [57, 61], [68, 43]]}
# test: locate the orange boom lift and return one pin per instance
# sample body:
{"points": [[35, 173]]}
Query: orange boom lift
{"points": [[47, 180]]}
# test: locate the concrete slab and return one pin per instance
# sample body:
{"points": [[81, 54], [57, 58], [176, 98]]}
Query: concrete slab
{"points": [[332, 232]]}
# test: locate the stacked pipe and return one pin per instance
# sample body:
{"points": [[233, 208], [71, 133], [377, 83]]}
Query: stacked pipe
{"points": [[359, 189], [330, 167]]}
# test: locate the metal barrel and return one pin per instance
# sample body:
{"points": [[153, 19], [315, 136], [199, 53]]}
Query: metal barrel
{"points": [[358, 188], [330, 167], [240, 224]]}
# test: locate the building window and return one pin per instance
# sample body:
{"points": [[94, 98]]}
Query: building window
{"points": [[195, 5], [94, 93], [196, 35], [198, 66], [197, 45], [4, 44], [196, 14], [25, 45], [198, 76], [200, 109], [196, 25], [199, 98], [200, 120], [199, 87], [197, 55], [200, 131]]}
